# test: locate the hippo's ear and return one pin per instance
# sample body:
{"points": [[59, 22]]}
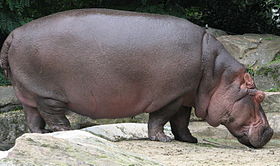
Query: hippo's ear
{"points": [[248, 82]]}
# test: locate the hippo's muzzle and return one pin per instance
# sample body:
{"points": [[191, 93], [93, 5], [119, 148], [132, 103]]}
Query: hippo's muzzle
{"points": [[256, 139]]}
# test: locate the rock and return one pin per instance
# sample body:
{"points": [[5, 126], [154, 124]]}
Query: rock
{"points": [[274, 119], [12, 125], [123, 131], [271, 103], [215, 32], [135, 131], [84, 148], [79, 121], [260, 53], [203, 130], [253, 50], [267, 77], [3, 154], [8, 100], [70, 148]]}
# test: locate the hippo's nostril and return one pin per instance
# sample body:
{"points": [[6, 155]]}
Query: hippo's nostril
{"points": [[267, 133]]}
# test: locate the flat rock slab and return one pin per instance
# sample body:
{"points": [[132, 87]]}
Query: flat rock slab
{"points": [[136, 131], [70, 148], [123, 131]]}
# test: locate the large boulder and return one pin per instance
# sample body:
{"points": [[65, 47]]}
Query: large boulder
{"points": [[12, 125], [8, 100], [123, 131], [252, 49], [267, 77], [260, 53], [70, 148], [271, 103]]}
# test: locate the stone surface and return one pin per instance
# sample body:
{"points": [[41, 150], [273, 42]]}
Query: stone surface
{"points": [[77, 147], [271, 102], [79, 121], [8, 100], [123, 131], [136, 131], [253, 50], [216, 32], [70, 148], [12, 125], [260, 53], [267, 77], [274, 119]]}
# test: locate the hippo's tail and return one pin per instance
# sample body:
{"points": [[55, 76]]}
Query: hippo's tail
{"points": [[4, 63]]}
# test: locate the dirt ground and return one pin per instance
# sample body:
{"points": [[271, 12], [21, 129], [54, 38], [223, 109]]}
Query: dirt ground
{"points": [[208, 152]]}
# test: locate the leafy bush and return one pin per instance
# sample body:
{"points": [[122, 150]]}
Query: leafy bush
{"points": [[3, 80], [238, 16]]}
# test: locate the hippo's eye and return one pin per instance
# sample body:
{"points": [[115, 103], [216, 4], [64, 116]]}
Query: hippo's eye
{"points": [[230, 119]]}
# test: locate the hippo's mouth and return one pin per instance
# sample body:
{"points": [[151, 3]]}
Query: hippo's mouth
{"points": [[244, 139]]}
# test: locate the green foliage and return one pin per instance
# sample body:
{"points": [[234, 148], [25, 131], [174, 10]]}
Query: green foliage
{"points": [[236, 16], [273, 89], [3, 80], [251, 71], [240, 16], [12, 14]]}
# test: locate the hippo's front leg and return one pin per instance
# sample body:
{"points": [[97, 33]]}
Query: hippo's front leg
{"points": [[159, 118], [179, 125]]}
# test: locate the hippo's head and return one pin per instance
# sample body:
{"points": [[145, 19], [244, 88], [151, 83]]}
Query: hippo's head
{"points": [[237, 105]]}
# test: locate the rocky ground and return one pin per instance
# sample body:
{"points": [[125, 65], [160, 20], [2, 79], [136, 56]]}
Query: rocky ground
{"points": [[208, 152], [127, 144]]}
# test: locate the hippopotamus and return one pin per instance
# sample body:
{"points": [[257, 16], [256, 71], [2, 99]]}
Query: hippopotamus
{"points": [[105, 63]]}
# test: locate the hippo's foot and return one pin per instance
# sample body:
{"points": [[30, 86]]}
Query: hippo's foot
{"points": [[179, 125], [160, 136], [186, 138]]}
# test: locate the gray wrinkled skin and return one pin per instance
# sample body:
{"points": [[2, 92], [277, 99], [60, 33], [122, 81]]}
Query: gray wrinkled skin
{"points": [[112, 64]]}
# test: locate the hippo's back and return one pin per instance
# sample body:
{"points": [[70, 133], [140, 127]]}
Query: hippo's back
{"points": [[99, 60]]}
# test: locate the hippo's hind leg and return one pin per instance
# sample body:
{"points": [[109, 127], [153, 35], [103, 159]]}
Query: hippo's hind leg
{"points": [[179, 125], [159, 118], [53, 112], [35, 122]]}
